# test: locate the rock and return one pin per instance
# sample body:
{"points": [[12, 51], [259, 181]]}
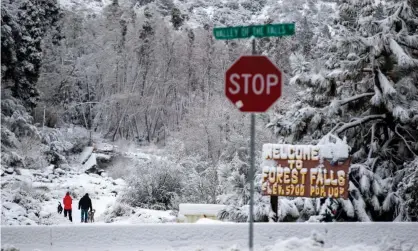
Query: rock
{"points": [[50, 169], [119, 182], [59, 171], [37, 173], [44, 214], [45, 180], [65, 167], [9, 170], [103, 147], [103, 157], [32, 216]]}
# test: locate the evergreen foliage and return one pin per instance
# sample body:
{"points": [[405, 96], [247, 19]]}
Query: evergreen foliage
{"points": [[366, 91]]}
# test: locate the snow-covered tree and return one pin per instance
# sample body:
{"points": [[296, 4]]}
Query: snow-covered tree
{"points": [[305, 35], [23, 31], [366, 91], [153, 184]]}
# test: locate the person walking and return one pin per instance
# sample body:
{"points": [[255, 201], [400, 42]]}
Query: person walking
{"points": [[84, 204], [68, 205]]}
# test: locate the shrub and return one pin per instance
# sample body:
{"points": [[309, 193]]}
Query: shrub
{"points": [[154, 184], [50, 119]]}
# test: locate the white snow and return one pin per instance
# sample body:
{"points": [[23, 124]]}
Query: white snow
{"points": [[336, 150], [85, 155], [87, 6], [386, 86], [277, 237], [103, 147], [102, 156], [200, 209], [52, 188], [99, 190], [92, 161], [210, 221], [402, 58], [139, 216]]}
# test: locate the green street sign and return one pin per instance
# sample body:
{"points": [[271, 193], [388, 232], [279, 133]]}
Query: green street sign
{"points": [[268, 30]]}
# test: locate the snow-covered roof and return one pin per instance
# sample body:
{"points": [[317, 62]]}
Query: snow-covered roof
{"points": [[195, 209], [337, 150]]}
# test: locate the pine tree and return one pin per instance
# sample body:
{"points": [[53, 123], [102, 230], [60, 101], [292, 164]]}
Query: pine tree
{"points": [[365, 90], [305, 36], [177, 18], [23, 46], [165, 7]]}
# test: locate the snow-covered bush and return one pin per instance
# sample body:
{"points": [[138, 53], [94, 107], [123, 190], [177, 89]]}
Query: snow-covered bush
{"points": [[153, 184], [25, 145], [20, 141], [17, 119], [33, 151], [408, 191], [8, 247], [45, 116], [364, 88], [21, 203], [118, 209]]}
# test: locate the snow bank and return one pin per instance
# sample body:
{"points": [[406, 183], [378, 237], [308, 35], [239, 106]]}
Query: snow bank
{"points": [[119, 213], [103, 156], [91, 162], [85, 155], [210, 236], [210, 221], [103, 147]]}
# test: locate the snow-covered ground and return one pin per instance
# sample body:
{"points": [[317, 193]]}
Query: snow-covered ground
{"points": [[234, 236], [102, 191], [30, 197]]}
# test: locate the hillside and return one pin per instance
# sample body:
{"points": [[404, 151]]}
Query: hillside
{"points": [[147, 78]]}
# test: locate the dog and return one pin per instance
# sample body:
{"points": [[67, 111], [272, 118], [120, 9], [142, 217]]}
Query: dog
{"points": [[90, 215], [59, 208]]}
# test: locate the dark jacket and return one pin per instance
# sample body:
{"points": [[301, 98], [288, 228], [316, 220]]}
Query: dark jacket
{"points": [[85, 203]]}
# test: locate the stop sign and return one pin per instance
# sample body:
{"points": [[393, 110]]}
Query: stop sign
{"points": [[253, 83]]}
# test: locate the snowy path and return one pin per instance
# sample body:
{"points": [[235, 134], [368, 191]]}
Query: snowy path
{"points": [[101, 191]]}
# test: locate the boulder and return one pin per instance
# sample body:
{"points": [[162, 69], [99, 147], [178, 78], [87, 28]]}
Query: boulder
{"points": [[9, 170]]}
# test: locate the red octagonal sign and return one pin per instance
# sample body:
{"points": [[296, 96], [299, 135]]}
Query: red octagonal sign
{"points": [[253, 83]]}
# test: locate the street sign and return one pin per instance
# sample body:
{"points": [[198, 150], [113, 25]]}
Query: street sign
{"points": [[253, 83], [268, 30]]}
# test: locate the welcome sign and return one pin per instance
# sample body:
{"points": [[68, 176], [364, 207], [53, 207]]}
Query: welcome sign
{"points": [[305, 171]]}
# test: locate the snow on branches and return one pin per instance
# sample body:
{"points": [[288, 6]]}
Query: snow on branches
{"points": [[370, 97]]}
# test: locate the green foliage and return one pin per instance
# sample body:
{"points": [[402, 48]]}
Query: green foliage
{"points": [[354, 89], [21, 46]]}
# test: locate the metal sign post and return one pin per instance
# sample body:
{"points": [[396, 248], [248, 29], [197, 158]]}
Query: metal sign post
{"points": [[251, 174], [253, 84]]}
